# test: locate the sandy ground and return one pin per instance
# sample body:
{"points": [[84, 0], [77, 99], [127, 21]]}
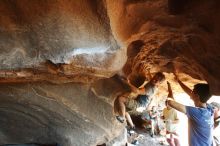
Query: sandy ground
{"points": [[144, 139]]}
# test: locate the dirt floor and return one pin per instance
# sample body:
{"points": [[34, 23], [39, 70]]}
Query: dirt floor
{"points": [[144, 139]]}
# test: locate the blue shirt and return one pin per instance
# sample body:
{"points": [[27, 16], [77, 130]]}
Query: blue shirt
{"points": [[201, 124]]}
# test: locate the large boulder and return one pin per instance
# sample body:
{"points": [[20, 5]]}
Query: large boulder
{"points": [[58, 59], [47, 40], [68, 114]]}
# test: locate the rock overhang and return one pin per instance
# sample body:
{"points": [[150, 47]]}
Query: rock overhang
{"points": [[82, 43]]}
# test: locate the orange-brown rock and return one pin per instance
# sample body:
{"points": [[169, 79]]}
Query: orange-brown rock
{"points": [[58, 60]]}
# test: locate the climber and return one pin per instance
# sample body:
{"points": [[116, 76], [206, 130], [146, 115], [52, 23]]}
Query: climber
{"points": [[137, 98]]}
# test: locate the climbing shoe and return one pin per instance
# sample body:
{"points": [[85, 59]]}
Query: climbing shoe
{"points": [[120, 119], [135, 142]]}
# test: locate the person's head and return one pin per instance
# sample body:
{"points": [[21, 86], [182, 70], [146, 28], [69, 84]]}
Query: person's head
{"points": [[216, 108], [215, 105], [158, 78], [203, 92]]}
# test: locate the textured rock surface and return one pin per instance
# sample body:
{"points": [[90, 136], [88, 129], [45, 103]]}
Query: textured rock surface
{"points": [[68, 114], [76, 43], [189, 40], [83, 41], [60, 39]]}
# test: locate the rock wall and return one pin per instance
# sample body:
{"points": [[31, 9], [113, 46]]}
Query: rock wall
{"points": [[71, 41], [182, 34], [56, 57], [69, 114], [43, 40]]}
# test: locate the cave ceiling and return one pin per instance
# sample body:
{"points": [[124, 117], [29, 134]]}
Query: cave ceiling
{"points": [[72, 41], [50, 46]]}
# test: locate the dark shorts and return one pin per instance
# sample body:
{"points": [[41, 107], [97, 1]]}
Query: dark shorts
{"points": [[133, 104]]}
